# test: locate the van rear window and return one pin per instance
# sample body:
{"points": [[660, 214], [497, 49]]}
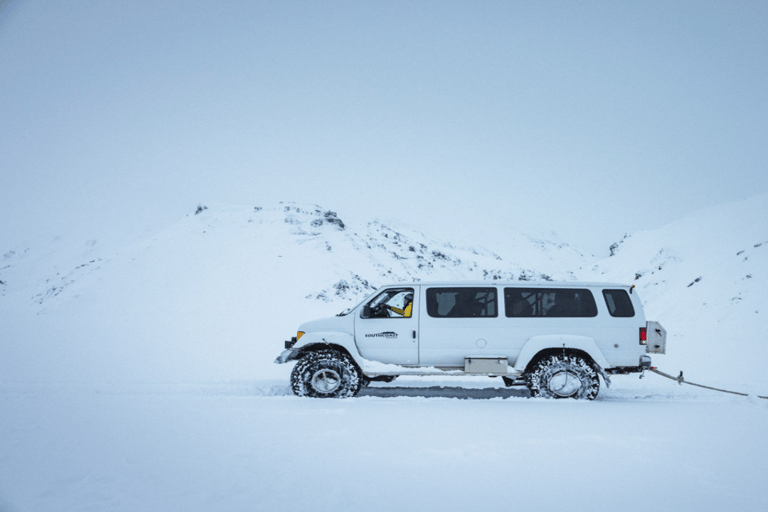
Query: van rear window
{"points": [[618, 302], [549, 302], [461, 302]]}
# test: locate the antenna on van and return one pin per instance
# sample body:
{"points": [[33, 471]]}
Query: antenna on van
{"points": [[631, 288]]}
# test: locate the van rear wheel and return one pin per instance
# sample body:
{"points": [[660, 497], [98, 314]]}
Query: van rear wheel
{"points": [[563, 376], [326, 374]]}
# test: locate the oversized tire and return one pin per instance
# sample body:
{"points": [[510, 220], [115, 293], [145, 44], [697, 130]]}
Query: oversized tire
{"points": [[563, 376], [326, 374]]}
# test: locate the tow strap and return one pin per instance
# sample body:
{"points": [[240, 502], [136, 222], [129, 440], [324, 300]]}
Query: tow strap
{"points": [[679, 379]]}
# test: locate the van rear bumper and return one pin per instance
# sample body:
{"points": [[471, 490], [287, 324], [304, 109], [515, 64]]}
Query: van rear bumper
{"points": [[645, 363]]}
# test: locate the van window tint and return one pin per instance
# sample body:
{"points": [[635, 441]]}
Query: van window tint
{"points": [[549, 302], [461, 302], [618, 302]]}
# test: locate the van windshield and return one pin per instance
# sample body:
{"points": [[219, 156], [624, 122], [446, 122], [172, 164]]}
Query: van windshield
{"points": [[349, 310]]}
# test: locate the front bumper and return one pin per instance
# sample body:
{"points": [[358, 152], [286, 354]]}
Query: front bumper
{"points": [[287, 355]]}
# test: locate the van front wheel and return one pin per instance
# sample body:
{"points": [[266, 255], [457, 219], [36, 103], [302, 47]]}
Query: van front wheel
{"points": [[563, 376], [325, 374]]}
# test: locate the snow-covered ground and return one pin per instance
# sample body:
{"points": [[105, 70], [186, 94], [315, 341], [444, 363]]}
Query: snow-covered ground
{"points": [[251, 446], [138, 375]]}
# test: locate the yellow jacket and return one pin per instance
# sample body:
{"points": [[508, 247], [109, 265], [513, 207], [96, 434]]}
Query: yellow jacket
{"points": [[406, 312]]}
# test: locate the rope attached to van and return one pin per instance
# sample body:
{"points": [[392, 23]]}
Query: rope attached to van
{"points": [[680, 380]]}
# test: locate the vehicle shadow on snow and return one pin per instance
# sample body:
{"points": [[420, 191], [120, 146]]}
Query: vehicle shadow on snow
{"points": [[445, 392]]}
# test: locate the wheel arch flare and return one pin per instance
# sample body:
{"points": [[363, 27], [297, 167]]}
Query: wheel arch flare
{"points": [[536, 346]]}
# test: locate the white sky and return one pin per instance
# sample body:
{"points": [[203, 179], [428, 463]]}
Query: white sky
{"points": [[589, 119]]}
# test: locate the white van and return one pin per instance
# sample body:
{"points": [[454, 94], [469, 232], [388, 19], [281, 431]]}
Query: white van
{"points": [[554, 338]]}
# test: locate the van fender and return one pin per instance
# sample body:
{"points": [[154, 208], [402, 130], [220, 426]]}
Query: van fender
{"points": [[536, 344], [330, 339]]}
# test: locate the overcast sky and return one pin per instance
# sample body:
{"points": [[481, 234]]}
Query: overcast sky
{"points": [[589, 119]]}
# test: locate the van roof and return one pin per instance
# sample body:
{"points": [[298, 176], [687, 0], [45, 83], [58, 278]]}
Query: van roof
{"points": [[520, 284]]}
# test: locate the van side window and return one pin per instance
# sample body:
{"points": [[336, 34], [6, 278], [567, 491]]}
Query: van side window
{"points": [[549, 302], [618, 302], [391, 303], [461, 302]]}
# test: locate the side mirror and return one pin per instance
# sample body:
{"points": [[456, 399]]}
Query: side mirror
{"points": [[366, 311]]}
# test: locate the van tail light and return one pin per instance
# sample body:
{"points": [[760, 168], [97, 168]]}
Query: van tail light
{"points": [[643, 336]]}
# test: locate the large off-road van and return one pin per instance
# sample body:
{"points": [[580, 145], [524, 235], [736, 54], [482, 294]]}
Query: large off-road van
{"points": [[555, 338]]}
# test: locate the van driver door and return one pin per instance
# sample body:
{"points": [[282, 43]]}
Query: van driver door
{"points": [[386, 329]]}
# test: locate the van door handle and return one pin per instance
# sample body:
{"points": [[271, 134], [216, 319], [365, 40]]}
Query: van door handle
{"points": [[414, 334]]}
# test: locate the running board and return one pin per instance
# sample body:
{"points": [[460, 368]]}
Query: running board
{"points": [[376, 370]]}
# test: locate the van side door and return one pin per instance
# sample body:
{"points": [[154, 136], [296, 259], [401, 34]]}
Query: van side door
{"points": [[386, 327], [459, 321]]}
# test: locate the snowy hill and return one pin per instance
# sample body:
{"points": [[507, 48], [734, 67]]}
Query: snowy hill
{"points": [[704, 277], [214, 296]]}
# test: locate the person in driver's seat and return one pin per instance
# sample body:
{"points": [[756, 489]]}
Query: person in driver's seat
{"points": [[408, 306]]}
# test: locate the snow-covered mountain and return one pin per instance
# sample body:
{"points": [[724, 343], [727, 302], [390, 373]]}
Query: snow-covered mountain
{"points": [[214, 295]]}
